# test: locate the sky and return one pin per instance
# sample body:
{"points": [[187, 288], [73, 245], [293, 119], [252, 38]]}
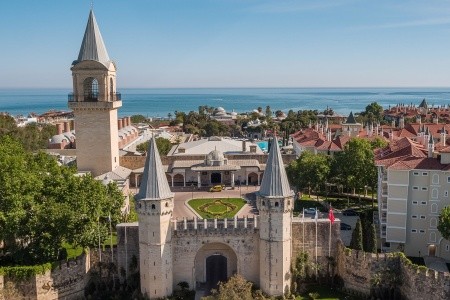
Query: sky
{"points": [[232, 43]]}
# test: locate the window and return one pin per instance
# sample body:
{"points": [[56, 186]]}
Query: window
{"points": [[424, 189], [423, 217], [277, 204], [448, 179], [434, 208], [90, 87], [445, 193], [414, 217], [435, 193], [153, 206], [415, 187], [422, 231], [415, 202], [423, 202], [416, 173], [435, 179], [413, 230], [447, 248], [263, 203], [424, 173]]}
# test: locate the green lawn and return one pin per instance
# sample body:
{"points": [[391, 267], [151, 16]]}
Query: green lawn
{"points": [[217, 207]]}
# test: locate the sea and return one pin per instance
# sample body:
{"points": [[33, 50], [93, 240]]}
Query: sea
{"points": [[158, 103]]}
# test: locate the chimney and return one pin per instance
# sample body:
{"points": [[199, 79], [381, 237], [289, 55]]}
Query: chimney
{"points": [[430, 147], [119, 124], [59, 128], [244, 146], [435, 119], [443, 136], [66, 127], [419, 119], [401, 123]]}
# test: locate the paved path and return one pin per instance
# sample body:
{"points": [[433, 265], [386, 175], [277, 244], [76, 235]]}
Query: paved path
{"points": [[184, 194]]}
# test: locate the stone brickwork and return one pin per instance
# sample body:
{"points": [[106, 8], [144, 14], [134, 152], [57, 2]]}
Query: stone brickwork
{"points": [[66, 281], [360, 270]]}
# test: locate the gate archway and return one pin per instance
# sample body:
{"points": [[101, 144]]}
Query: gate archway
{"points": [[216, 178], [214, 262]]}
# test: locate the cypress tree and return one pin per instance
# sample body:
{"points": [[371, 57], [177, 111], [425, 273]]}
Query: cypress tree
{"points": [[372, 245], [357, 239]]}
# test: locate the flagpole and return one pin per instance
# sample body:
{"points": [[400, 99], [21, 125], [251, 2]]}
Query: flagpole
{"points": [[303, 235], [316, 217]]}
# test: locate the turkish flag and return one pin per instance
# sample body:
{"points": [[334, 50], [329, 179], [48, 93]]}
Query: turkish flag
{"points": [[331, 215]]}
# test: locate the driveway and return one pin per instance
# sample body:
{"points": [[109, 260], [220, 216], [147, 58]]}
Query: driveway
{"points": [[182, 195]]}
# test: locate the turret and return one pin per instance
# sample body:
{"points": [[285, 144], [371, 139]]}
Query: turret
{"points": [[154, 205], [275, 202], [443, 136], [430, 146]]}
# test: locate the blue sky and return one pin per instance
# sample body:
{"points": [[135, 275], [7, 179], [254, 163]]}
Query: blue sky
{"points": [[233, 43]]}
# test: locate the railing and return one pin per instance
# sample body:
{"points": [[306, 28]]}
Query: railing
{"points": [[93, 97]]}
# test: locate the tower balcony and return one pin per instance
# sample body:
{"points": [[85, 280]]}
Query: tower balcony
{"points": [[93, 97]]}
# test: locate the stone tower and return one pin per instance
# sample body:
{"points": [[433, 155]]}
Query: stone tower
{"points": [[154, 204], [94, 102], [275, 202]]}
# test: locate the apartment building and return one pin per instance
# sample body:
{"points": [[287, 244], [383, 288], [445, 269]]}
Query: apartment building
{"points": [[413, 187]]}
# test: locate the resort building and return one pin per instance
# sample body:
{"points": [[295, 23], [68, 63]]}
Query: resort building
{"points": [[413, 187]]}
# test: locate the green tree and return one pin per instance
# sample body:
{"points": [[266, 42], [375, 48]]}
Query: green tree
{"points": [[444, 222], [378, 142], [355, 167], [163, 145], [357, 237], [236, 288], [43, 205], [373, 112], [138, 119], [372, 239], [268, 112], [309, 171]]}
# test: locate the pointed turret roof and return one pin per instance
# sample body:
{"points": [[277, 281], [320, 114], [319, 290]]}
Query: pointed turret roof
{"points": [[423, 104], [274, 182], [350, 119], [93, 47], [154, 183]]}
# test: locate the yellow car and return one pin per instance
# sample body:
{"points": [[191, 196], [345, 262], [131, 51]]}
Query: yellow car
{"points": [[216, 188]]}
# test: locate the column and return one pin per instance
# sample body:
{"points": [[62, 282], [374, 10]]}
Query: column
{"points": [[184, 179], [171, 176], [246, 178], [221, 177], [259, 178], [232, 179], [199, 180]]}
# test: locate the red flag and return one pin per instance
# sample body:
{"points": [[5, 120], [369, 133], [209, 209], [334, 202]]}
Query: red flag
{"points": [[331, 215]]}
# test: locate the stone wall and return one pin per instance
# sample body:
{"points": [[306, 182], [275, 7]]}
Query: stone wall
{"points": [[66, 281], [360, 270]]}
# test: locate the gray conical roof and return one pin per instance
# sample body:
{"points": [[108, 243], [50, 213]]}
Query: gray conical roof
{"points": [[350, 119], [423, 104], [93, 47], [154, 181], [275, 182]]}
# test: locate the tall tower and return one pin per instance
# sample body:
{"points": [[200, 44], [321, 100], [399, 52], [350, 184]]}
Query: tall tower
{"points": [[154, 204], [94, 102], [275, 203]]}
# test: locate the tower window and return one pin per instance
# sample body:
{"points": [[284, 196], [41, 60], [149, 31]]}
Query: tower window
{"points": [[277, 204], [153, 206], [90, 87]]}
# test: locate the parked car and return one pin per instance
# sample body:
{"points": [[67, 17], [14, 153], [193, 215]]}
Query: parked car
{"points": [[216, 188], [349, 212], [310, 211], [345, 226]]}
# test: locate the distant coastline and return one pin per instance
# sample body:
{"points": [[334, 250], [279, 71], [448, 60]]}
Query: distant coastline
{"points": [[153, 102]]}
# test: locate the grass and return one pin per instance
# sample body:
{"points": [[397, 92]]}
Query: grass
{"points": [[72, 252], [217, 207], [325, 293]]}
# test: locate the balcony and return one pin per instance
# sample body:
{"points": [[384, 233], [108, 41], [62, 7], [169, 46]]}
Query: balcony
{"points": [[93, 97]]}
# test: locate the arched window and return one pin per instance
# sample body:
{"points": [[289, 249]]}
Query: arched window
{"points": [[153, 206], [167, 204], [111, 87], [90, 87], [434, 193], [434, 208], [433, 222], [432, 237], [435, 179], [263, 203], [277, 204]]}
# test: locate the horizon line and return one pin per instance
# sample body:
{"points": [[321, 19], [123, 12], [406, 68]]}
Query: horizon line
{"points": [[251, 87]]}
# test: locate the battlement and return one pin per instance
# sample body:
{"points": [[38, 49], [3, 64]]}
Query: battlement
{"points": [[197, 225]]}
